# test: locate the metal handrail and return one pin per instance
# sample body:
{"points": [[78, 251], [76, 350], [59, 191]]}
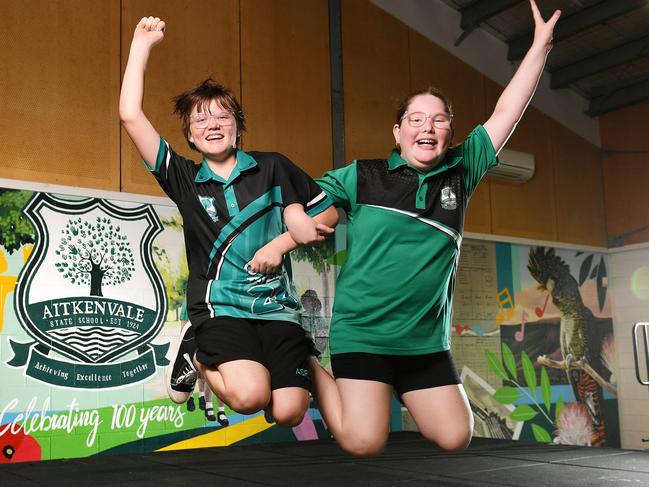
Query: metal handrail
{"points": [[645, 331]]}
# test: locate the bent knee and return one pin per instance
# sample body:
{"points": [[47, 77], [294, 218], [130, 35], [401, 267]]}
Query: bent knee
{"points": [[363, 447], [248, 401], [455, 441], [288, 418]]}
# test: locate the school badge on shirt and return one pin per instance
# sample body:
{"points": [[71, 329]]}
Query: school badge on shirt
{"points": [[208, 204], [90, 296], [448, 198]]}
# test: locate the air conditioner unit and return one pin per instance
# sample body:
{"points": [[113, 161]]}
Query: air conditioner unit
{"points": [[515, 167]]}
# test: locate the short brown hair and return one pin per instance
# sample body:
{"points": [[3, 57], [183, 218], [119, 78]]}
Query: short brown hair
{"points": [[201, 96]]}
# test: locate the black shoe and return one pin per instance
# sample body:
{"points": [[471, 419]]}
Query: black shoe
{"points": [[190, 404], [222, 418], [268, 415], [201, 403], [209, 414], [180, 374]]}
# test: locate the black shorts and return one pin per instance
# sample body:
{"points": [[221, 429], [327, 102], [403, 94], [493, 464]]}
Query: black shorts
{"points": [[404, 372], [280, 346]]}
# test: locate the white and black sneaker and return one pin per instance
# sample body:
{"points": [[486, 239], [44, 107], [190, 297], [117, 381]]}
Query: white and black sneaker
{"points": [[180, 374]]}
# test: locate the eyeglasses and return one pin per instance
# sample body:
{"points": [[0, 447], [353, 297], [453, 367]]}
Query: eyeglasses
{"points": [[202, 120], [417, 119]]}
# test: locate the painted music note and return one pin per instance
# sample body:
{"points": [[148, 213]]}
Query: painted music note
{"points": [[539, 312], [504, 298], [519, 336]]}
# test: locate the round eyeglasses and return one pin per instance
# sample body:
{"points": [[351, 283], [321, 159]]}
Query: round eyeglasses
{"points": [[417, 119], [202, 120]]}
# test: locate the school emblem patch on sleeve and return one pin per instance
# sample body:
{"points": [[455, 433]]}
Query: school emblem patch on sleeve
{"points": [[90, 295]]}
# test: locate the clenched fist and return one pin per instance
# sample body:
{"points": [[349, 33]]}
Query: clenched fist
{"points": [[149, 30]]}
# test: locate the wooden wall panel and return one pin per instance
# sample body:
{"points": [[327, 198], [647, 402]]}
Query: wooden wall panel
{"points": [[201, 40], [376, 77], [478, 215], [430, 65], [526, 210], [60, 82], [286, 82], [627, 200], [626, 175], [626, 129], [579, 189]]}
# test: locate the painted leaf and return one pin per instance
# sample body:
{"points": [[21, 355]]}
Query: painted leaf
{"points": [[540, 434], [508, 358], [558, 407], [593, 273], [584, 270], [529, 373], [496, 365], [546, 389], [523, 412], [338, 258], [506, 395]]}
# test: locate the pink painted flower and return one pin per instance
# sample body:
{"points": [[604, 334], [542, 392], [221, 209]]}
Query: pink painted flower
{"points": [[574, 426]]}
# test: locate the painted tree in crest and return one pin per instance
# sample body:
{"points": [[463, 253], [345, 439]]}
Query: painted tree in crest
{"points": [[96, 253]]}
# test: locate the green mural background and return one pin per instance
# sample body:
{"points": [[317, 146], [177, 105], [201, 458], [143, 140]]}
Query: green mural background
{"points": [[507, 327]]}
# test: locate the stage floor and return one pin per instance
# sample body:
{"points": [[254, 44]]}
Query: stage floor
{"points": [[408, 461]]}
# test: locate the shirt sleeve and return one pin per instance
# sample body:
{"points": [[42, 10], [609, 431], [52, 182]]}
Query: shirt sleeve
{"points": [[173, 172], [298, 187], [478, 156], [340, 185]]}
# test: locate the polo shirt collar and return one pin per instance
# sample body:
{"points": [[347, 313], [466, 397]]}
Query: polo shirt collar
{"points": [[244, 162], [452, 158]]}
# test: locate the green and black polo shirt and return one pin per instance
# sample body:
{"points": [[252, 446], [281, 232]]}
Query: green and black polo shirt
{"points": [[226, 222], [394, 292]]}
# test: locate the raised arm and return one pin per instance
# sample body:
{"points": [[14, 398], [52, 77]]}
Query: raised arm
{"points": [[517, 95], [148, 32]]}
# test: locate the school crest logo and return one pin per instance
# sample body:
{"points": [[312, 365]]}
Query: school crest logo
{"points": [[90, 296], [448, 198], [208, 204]]}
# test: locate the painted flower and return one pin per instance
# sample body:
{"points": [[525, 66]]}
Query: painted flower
{"points": [[574, 426], [18, 447], [608, 356]]}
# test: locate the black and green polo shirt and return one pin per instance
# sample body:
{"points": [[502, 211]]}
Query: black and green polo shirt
{"points": [[226, 222], [394, 292]]}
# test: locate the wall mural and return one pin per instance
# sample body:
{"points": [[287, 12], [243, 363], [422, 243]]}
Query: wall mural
{"points": [[91, 294], [533, 336]]}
